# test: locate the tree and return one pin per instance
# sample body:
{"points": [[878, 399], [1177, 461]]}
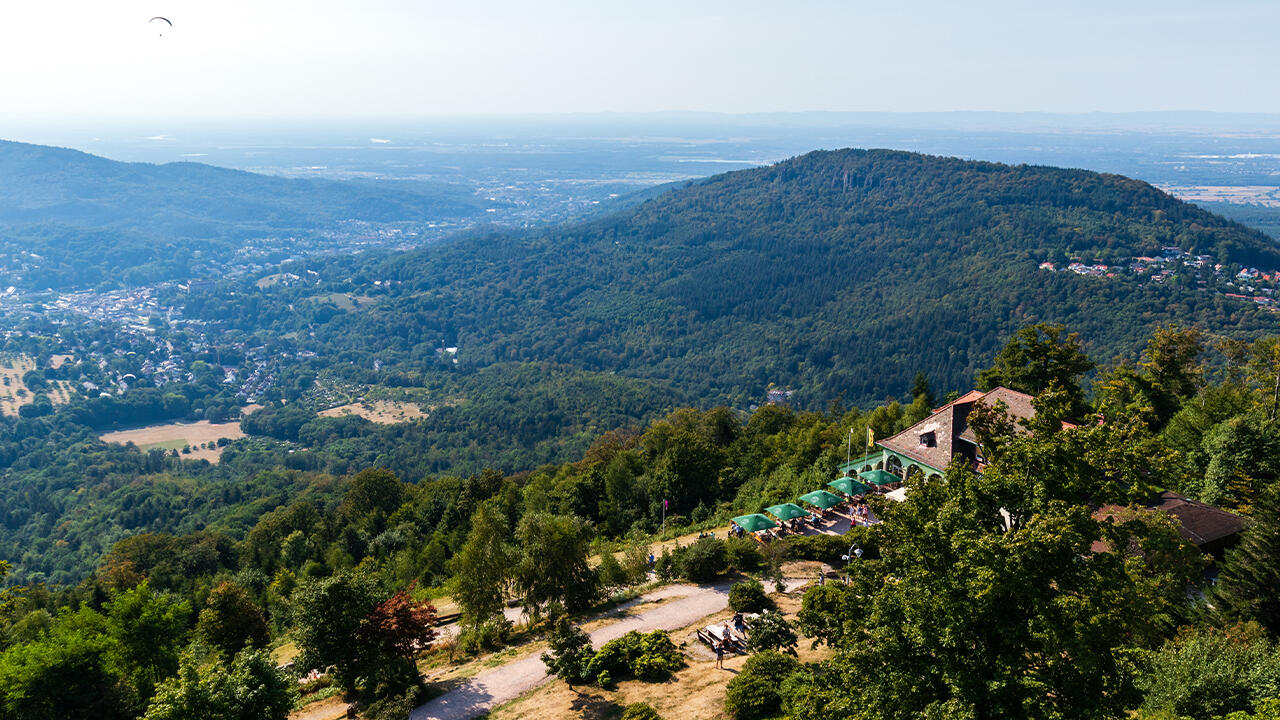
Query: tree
{"points": [[610, 572], [1264, 371], [393, 633], [231, 620], [148, 628], [483, 567], [920, 388], [830, 613], [66, 674], [1172, 363], [964, 614], [771, 631], [1037, 357], [1249, 580], [1209, 673], [250, 687], [373, 495], [329, 615], [570, 653], [553, 562]]}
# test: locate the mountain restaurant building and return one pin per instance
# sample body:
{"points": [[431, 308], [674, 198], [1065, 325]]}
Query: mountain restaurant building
{"points": [[931, 446]]}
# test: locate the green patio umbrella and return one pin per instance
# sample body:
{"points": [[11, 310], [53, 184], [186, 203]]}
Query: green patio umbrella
{"points": [[879, 477], [754, 522], [786, 511], [821, 499], [849, 486]]}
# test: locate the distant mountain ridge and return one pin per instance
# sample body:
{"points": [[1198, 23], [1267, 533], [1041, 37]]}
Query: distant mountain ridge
{"points": [[112, 216], [837, 273]]}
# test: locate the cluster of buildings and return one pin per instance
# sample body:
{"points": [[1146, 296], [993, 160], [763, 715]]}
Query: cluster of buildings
{"points": [[1248, 284], [931, 446]]}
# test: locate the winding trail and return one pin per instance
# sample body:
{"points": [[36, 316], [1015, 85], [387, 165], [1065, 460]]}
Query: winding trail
{"points": [[486, 690]]}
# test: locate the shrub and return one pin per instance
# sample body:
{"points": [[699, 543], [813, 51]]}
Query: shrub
{"points": [[610, 572], [646, 656], [749, 596], [831, 548], [666, 565], [771, 631], [771, 665], [742, 555], [749, 697], [754, 693], [704, 560], [640, 711], [491, 634]]}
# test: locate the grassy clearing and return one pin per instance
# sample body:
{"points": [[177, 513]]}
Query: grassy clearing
{"points": [[175, 436], [385, 412]]}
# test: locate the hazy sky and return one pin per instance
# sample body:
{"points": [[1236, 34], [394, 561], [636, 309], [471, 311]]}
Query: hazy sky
{"points": [[375, 57]]}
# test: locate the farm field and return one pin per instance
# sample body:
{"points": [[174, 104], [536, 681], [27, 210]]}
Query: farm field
{"points": [[386, 412], [175, 436]]}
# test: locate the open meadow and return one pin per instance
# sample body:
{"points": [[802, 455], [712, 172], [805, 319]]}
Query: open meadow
{"points": [[176, 436]]}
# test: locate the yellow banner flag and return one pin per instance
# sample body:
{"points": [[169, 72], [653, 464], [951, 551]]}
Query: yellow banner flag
{"points": [[871, 437]]}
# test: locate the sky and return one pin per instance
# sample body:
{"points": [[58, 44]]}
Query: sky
{"points": [[102, 58]]}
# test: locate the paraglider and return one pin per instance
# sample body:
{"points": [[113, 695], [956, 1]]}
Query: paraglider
{"points": [[163, 23]]}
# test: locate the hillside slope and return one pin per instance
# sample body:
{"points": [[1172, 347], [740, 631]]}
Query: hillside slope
{"points": [[108, 217], [835, 273]]}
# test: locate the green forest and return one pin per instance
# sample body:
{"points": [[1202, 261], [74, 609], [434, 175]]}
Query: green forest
{"points": [[590, 389], [836, 274], [956, 610]]}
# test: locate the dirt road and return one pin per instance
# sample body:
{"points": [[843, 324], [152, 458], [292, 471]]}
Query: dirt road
{"points": [[479, 694]]}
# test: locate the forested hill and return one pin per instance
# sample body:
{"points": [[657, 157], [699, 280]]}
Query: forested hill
{"points": [[835, 273], [90, 219]]}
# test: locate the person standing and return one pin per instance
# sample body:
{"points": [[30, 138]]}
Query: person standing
{"points": [[720, 654]]}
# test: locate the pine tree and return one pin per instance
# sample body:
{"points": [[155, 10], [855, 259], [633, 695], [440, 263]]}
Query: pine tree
{"points": [[1247, 586]]}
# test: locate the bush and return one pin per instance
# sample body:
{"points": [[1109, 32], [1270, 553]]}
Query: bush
{"points": [[645, 656], [491, 634], [640, 711], [748, 596], [610, 573], [703, 561], [749, 697], [665, 566], [742, 555], [394, 707], [771, 631], [830, 549], [754, 693]]}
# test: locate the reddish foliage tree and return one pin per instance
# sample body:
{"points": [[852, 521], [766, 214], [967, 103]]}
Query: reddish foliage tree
{"points": [[400, 625]]}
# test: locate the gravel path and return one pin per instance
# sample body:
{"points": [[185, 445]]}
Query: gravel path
{"points": [[491, 688]]}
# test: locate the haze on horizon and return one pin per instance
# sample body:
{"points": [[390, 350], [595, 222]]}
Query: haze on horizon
{"points": [[89, 59]]}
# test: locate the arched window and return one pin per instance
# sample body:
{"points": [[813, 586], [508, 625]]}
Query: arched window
{"points": [[893, 465]]}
